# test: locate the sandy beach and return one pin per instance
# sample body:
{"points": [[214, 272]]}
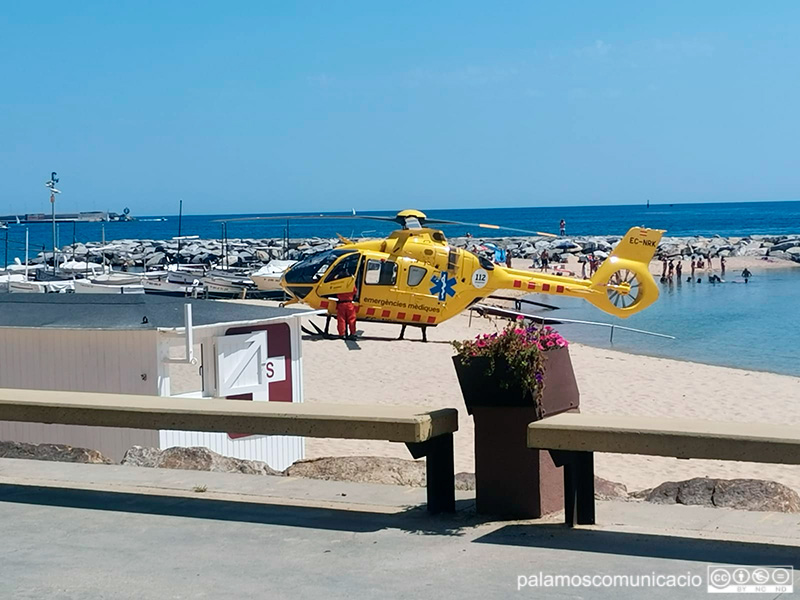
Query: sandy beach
{"points": [[385, 371]]}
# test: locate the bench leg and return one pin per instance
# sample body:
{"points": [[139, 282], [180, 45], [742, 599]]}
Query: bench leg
{"points": [[578, 486], [440, 465]]}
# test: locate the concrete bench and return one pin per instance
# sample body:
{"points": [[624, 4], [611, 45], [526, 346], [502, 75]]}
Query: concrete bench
{"points": [[426, 433], [572, 439]]}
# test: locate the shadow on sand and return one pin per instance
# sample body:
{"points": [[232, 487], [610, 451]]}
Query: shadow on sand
{"points": [[412, 520], [559, 537]]}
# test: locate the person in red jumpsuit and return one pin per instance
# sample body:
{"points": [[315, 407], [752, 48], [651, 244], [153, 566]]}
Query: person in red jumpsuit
{"points": [[346, 314]]}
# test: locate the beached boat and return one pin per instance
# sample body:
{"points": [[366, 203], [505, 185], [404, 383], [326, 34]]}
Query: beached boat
{"points": [[184, 277], [118, 278], [79, 267], [268, 277], [84, 286], [27, 287], [8, 278], [168, 288], [216, 285]]}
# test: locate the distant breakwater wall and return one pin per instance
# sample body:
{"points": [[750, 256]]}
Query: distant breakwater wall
{"points": [[255, 252]]}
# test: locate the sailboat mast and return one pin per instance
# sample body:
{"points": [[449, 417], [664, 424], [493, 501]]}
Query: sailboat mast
{"points": [[180, 218]]}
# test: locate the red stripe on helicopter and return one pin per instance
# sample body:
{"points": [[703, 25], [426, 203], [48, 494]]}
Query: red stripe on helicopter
{"points": [[324, 304], [545, 287], [416, 318], [431, 319], [642, 233], [370, 312], [401, 316], [531, 285], [385, 314], [560, 289], [517, 283]]}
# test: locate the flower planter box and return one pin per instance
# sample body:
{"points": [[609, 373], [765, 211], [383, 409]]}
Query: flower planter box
{"points": [[512, 480]]}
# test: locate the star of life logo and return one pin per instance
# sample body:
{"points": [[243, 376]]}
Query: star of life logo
{"points": [[750, 580], [443, 286]]}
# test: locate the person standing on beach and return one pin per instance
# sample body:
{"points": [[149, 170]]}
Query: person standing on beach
{"points": [[722, 265], [563, 227], [694, 265], [346, 315], [663, 268], [509, 256], [678, 270], [545, 260]]}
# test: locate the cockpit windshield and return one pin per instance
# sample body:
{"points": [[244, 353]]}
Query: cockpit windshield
{"points": [[311, 269]]}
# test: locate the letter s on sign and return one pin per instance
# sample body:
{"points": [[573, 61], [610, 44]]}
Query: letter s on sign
{"points": [[270, 369]]}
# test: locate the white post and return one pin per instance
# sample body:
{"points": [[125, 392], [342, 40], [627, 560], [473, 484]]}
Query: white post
{"points": [[26, 253], [187, 321]]}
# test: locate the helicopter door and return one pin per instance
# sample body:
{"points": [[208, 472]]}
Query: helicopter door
{"points": [[341, 277]]}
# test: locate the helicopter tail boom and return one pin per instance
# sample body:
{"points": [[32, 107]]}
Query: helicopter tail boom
{"points": [[621, 286]]}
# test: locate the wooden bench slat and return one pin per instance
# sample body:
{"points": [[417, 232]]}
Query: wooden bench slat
{"points": [[681, 438], [392, 423]]}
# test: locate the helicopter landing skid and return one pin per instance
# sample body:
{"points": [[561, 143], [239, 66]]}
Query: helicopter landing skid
{"points": [[317, 331], [424, 329]]}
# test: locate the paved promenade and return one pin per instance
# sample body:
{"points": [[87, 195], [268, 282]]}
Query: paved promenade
{"points": [[94, 532]]}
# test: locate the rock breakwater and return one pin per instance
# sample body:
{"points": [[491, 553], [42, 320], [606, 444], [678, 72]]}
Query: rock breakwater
{"points": [[152, 254]]}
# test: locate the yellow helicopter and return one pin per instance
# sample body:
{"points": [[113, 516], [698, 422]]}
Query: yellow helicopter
{"points": [[414, 277]]}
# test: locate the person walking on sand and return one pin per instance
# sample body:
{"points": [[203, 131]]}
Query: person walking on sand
{"points": [[563, 227], [346, 314]]}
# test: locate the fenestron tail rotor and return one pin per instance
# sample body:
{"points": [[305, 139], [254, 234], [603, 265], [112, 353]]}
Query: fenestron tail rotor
{"points": [[624, 289]]}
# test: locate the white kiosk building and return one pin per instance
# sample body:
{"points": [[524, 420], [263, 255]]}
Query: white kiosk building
{"points": [[143, 344]]}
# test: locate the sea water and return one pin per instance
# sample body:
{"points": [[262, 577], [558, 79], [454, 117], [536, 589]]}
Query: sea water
{"points": [[754, 325]]}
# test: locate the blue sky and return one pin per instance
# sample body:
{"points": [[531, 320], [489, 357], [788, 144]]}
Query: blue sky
{"points": [[275, 107]]}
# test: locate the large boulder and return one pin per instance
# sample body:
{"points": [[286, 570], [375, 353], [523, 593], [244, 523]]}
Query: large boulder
{"points": [[54, 452], [605, 489], [157, 258], [755, 494], [744, 494], [785, 245], [362, 469], [194, 459], [371, 469]]}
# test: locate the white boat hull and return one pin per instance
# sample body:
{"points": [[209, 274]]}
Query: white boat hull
{"points": [[87, 287], [159, 286]]}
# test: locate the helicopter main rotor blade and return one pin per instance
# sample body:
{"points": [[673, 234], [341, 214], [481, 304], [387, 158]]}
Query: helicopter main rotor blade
{"points": [[293, 217], [488, 226]]}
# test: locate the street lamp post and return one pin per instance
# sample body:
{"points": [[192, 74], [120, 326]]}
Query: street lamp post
{"points": [[51, 184]]}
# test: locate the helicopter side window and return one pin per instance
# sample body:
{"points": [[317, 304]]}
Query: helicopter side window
{"points": [[381, 272], [416, 275], [346, 268]]}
